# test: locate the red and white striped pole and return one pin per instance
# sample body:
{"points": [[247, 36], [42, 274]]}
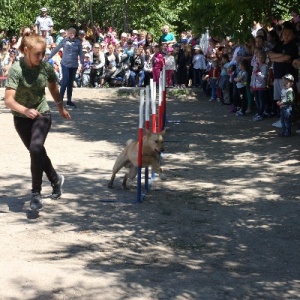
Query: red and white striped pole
{"points": [[147, 106], [160, 98], [147, 126], [153, 104], [140, 147], [164, 99]]}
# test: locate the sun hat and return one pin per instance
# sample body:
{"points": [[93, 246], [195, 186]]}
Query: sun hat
{"points": [[43, 9]]}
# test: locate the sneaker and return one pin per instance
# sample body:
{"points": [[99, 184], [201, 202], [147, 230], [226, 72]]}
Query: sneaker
{"points": [[211, 99], [277, 124], [240, 113], [56, 188], [71, 104], [257, 118], [36, 202]]}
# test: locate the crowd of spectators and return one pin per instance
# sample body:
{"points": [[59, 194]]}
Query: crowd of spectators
{"points": [[244, 74]]}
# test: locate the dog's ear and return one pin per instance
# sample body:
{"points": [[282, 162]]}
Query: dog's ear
{"points": [[148, 132]]}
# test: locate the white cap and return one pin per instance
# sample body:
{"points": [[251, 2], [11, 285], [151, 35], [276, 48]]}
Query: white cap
{"points": [[43, 9], [288, 77], [86, 55], [62, 31]]}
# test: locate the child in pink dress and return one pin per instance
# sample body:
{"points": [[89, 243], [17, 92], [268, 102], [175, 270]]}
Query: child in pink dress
{"points": [[158, 62]]}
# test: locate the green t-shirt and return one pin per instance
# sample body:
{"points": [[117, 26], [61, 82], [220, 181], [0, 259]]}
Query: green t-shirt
{"points": [[30, 84]]}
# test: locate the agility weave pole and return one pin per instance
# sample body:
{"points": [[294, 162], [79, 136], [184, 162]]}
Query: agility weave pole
{"points": [[150, 97], [162, 100], [147, 126], [139, 196]]}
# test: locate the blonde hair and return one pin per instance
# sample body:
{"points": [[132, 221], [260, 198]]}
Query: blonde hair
{"points": [[30, 42]]}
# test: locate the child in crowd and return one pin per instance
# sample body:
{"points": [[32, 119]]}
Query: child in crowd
{"points": [[286, 105], [170, 66], [258, 84], [270, 107], [148, 65], [86, 70], [199, 65], [241, 83], [214, 75], [47, 59], [224, 79], [205, 77], [158, 62]]}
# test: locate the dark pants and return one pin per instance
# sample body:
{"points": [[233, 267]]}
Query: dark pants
{"points": [[68, 77], [260, 98], [286, 119], [182, 75], [148, 76], [95, 76], [197, 77], [33, 133], [243, 98]]}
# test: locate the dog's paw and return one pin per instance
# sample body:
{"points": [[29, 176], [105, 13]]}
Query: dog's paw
{"points": [[162, 176]]}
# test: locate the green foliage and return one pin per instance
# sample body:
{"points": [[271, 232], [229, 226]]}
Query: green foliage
{"points": [[120, 14], [226, 17], [229, 17]]}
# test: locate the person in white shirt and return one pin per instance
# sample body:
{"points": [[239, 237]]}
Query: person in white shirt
{"points": [[170, 66], [43, 20], [199, 66]]}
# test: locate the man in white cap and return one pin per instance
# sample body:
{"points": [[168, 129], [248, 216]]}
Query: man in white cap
{"points": [[45, 21]]}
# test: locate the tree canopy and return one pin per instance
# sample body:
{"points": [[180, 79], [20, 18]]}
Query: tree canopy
{"points": [[235, 18], [226, 17]]}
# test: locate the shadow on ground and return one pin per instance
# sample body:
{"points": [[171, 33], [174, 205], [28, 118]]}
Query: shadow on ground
{"points": [[225, 225]]}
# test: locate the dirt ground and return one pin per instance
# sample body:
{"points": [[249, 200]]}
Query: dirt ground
{"points": [[224, 225]]}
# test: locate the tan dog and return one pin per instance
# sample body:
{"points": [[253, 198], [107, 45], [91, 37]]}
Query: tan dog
{"points": [[152, 147]]}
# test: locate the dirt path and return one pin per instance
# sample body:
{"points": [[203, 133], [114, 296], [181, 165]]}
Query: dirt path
{"points": [[224, 225]]}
